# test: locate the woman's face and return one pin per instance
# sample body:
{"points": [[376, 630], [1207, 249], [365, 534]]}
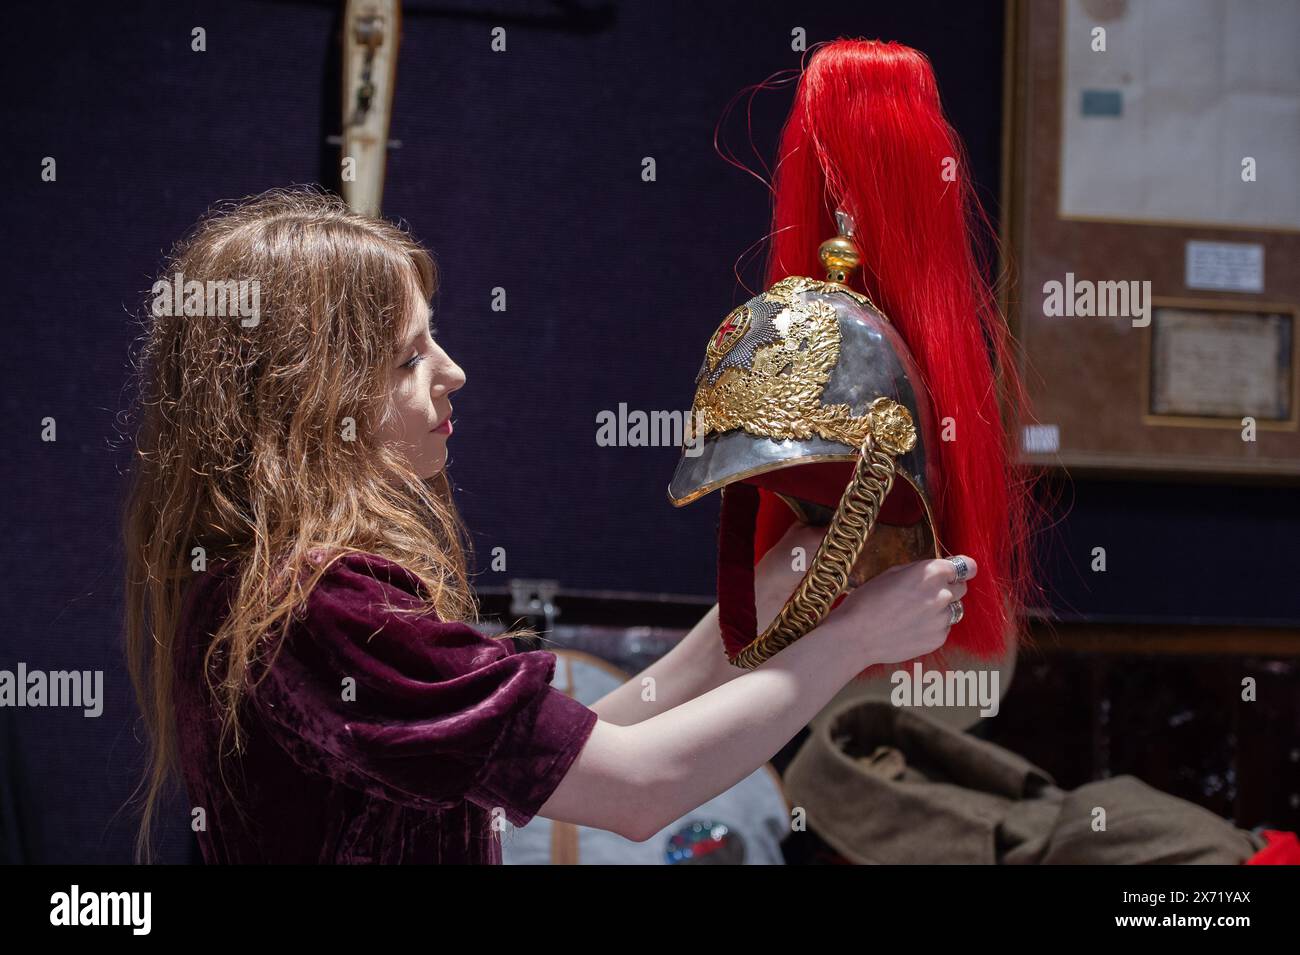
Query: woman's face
{"points": [[423, 377]]}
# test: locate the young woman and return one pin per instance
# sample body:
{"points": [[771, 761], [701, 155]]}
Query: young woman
{"points": [[298, 610]]}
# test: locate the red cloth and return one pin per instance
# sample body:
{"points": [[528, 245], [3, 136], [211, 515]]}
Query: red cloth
{"points": [[736, 559], [742, 542], [1282, 849]]}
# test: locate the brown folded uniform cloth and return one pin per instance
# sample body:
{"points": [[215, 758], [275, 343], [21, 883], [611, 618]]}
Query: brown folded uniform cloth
{"points": [[887, 785]]}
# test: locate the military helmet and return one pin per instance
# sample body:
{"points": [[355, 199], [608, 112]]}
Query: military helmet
{"points": [[807, 391]]}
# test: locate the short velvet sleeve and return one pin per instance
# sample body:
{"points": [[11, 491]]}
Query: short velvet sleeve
{"points": [[416, 710]]}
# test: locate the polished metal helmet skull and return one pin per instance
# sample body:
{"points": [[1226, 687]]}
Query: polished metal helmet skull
{"points": [[809, 392]]}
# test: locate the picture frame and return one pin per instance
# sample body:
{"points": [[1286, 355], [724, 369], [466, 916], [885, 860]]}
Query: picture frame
{"points": [[1090, 376]]}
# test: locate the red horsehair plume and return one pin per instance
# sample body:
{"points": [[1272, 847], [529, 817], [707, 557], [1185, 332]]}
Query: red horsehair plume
{"points": [[867, 135]]}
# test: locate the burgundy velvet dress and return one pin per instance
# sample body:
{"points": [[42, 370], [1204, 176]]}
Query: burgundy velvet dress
{"points": [[445, 730]]}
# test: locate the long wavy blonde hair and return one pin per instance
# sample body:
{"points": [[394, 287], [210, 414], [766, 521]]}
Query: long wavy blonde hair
{"points": [[258, 445]]}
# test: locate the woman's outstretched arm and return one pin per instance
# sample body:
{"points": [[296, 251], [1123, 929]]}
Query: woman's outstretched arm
{"points": [[638, 778], [697, 664]]}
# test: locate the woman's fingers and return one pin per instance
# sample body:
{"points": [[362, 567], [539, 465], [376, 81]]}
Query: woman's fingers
{"points": [[952, 574], [951, 592], [950, 567]]}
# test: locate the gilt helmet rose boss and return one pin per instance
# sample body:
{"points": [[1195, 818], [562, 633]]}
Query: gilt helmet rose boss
{"points": [[816, 403]]}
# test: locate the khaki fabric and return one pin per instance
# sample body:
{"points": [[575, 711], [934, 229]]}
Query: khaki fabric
{"points": [[885, 785]]}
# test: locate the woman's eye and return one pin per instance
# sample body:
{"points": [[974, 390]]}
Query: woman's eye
{"points": [[413, 360]]}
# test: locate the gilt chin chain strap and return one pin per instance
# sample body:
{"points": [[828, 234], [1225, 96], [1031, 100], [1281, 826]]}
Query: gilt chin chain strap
{"points": [[892, 433]]}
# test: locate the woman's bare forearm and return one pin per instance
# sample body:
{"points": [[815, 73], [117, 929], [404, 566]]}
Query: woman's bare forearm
{"points": [[695, 665], [638, 778], [703, 747]]}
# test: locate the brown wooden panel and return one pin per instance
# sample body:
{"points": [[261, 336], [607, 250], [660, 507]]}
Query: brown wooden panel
{"points": [[1088, 375]]}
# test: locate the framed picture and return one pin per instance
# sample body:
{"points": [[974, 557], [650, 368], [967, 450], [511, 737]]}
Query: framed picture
{"points": [[1213, 366], [1151, 210]]}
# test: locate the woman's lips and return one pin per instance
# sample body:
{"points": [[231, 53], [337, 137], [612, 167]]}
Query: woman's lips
{"points": [[444, 428]]}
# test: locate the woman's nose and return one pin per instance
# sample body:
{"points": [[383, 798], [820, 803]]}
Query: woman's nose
{"points": [[451, 379]]}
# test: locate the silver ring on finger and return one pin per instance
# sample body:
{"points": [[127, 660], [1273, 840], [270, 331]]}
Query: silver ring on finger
{"points": [[962, 567], [955, 612]]}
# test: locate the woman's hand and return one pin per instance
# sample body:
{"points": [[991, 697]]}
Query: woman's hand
{"points": [[635, 779], [899, 614]]}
